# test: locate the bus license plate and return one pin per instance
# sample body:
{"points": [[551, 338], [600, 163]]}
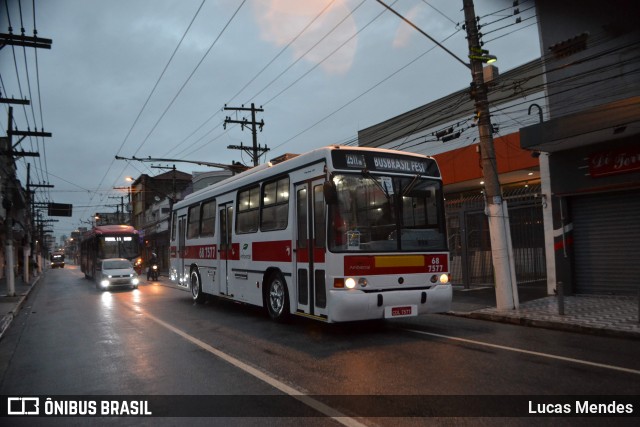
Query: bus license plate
{"points": [[401, 311]]}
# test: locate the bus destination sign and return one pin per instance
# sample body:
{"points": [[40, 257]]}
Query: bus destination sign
{"points": [[355, 160], [385, 162], [399, 165]]}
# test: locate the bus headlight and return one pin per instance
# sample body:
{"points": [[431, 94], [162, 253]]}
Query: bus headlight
{"points": [[443, 278], [350, 283]]}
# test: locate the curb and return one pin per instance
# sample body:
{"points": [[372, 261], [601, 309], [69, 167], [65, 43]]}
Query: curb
{"points": [[8, 318], [547, 324]]}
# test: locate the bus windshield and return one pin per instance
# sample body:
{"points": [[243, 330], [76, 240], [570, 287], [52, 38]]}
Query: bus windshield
{"points": [[386, 214], [118, 247]]}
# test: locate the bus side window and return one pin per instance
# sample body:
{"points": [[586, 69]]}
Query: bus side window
{"points": [[193, 224], [248, 210], [208, 218], [275, 205]]}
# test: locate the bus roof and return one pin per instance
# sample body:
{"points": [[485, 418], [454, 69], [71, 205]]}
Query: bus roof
{"points": [[292, 163], [100, 230]]}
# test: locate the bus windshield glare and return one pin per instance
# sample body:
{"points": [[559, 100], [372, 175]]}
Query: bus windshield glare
{"points": [[386, 214], [118, 247]]}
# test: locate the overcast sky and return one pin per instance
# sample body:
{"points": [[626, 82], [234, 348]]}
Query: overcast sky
{"points": [[321, 69]]}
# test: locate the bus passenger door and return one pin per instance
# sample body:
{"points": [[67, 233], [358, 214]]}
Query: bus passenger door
{"points": [[183, 276], [311, 248], [227, 250]]}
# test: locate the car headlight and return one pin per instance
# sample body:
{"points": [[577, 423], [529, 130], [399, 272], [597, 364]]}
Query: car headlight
{"points": [[104, 283], [135, 281]]}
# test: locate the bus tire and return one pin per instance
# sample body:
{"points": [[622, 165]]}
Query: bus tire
{"points": [[277, 298], [196, 287]]}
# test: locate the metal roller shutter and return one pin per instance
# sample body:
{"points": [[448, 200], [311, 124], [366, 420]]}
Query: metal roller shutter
{"points": [[606, 232]]}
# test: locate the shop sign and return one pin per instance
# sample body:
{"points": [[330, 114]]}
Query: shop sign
{"points": [[614, 162]]}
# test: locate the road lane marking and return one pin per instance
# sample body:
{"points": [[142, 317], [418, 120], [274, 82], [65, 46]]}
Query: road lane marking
{"points": [[296, 394], [534, 353]]}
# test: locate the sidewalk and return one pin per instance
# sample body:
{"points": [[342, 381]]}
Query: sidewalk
{"points": [[615, 316], [10, 306], [603, 315]]}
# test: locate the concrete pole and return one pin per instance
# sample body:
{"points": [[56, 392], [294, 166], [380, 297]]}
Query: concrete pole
{"points": [[547, 220], [26, 251], [496, 208], [9, 258]]}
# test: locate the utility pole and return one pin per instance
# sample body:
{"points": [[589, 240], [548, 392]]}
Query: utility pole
{"points": [[31, 204], [7, 201], [122, 204], [11, 39], [119, 208], [496, 207], [252, 124]]}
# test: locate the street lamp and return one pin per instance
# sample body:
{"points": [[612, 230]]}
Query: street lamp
{"points": [[482, 55]]}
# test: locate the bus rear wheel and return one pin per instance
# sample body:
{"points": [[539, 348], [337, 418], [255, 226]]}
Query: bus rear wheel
{"points": [[196, 287], [277, 298]]}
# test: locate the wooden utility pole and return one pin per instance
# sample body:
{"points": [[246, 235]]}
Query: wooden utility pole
{"points": [[7, 201], [496, 207], [256, 151], [31, 204]]}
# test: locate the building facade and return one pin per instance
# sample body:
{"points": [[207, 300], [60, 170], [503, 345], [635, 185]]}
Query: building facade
{"points": [[151, 200], [15, 220], [592, 142]]}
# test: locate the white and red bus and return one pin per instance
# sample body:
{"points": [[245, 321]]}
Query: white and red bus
{"points": [[337, 234], [108, 241]]}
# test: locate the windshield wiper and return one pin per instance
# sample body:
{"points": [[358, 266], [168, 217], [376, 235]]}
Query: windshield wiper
{"points": [[367, 174], [411, 185]]}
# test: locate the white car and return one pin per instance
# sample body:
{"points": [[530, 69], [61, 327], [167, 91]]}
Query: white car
{"points": [[115, 273]]}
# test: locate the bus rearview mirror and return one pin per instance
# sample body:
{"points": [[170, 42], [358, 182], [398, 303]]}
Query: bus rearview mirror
{"points": [[330, 192]]}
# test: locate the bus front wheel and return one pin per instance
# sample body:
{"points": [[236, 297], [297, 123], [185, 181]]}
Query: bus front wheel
{"points": [[196, 287], [277, 298]]}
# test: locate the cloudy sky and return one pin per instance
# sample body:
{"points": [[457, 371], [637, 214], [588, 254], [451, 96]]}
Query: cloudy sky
{"points": [[151, 78]]}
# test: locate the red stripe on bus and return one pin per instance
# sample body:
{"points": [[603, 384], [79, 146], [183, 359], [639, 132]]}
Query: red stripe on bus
{"points": [[363, 265], [232, 254], [279, 251], [318, 255], [200, 252]]}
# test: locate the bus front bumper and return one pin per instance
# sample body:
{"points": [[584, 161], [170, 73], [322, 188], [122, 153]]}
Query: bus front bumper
{"points": [[351, 305]]}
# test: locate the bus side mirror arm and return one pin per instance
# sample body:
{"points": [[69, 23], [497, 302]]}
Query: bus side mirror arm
{"points": [[330, 192]]}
